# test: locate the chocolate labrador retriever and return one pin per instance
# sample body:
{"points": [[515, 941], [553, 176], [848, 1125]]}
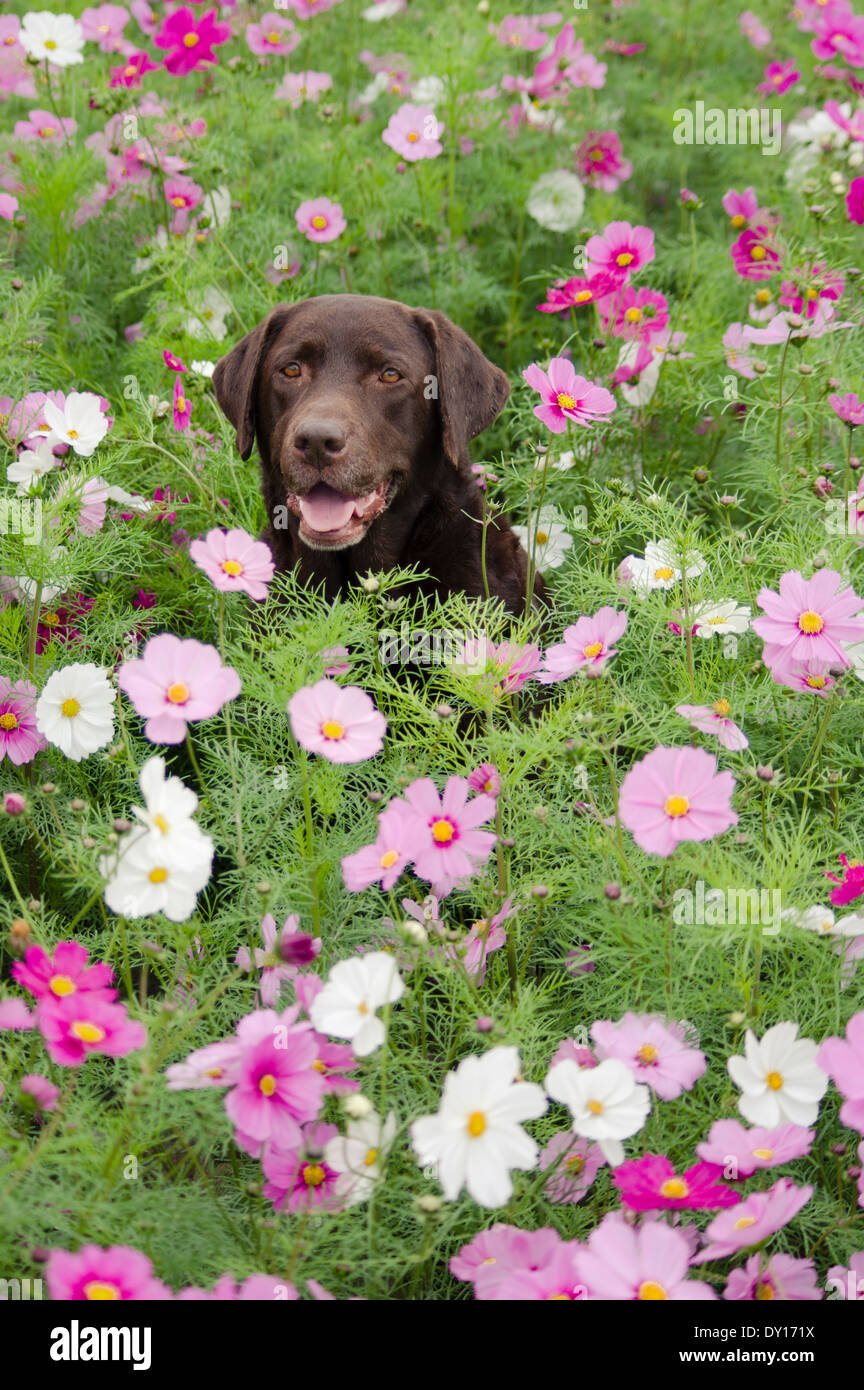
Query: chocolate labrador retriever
{"points": [[363, 409]]}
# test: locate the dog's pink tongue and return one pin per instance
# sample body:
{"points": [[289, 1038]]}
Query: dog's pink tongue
{"points": [[325, 510]]}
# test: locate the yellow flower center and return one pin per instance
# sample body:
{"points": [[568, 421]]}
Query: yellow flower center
{"points": [[178, 693], [565, 402], [757, 253], [764, 1290], [273, 36], [362, 1007], [332, 729], [593, 650], [388, 859], [178, 202], [664, 572], [232, 567], [181, 404], [61, 985], [624, 258], [633, 315], [73, 434], [815, 682], [677, 806], [766, 1154], [762, 296], [318, 1065], [738, 220], [412, 137], [267, 1085], [70, 708], [774, 1080], [319, 223], [371, 1158], [98, 1290], [651, 1291], [675, 1188], [130, 71], [595, 1106], [581, 296], [647, 1053], [313, 1175], [476, 1123], [812, 294], [87, 1032], [190, 40], [51, 619], [442, 832], [8, 721], [721, 707], [810, 622], [158, 875], [575, 1163], [50, 43], [45, 131]]}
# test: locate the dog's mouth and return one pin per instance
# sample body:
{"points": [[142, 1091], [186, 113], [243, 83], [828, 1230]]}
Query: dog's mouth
{"points": [[330, 521]]}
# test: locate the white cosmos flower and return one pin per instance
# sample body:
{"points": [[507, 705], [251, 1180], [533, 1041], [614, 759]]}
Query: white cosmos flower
{"points": [[143, 879], [553, 539], [779, 1078], [476, 1138], [355, 989], [31, 465], [726, 616], [167, 814], [358, 1155], [557, 200], [58, 38], [383, 9], [208, 321], [661, 566], [606, 1102], [203, 368], [75, 711], [428, 91], [80, 423]]}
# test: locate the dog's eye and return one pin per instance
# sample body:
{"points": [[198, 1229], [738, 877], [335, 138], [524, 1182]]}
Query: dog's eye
{"points": [[391, 374], [293, 369]]}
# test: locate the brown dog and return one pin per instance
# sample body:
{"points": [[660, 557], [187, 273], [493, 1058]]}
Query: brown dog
{"points": [[363, 409]]}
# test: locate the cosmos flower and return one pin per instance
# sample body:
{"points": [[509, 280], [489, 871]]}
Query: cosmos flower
{"points": [[676, 794], [75, 711], [356, 988], [174, 681], [233, 560], [566, 396], [645, 1264], [779, 1077], [339, 722]]}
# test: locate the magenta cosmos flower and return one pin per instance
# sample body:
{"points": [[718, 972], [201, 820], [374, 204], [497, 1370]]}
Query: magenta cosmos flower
{"points": [[283, 954], [320, 220], [80, 1025], [620, 251], [675, 794], [567, 397], [191, 42], [589, 643], [740, 1151], [851, 882], [338, 721], [174, 682], [64, 973], [20, 739], [651, 1183], [843, 1060], [809, 620], [753, 254], [485, 778], [778, 78], [598, 161], [649, 1263], [97, 1274], [299, 1178], [576, 293], [761, 1214], [657, 1052], [181, 407], [855, 201], [233, 560], [276, 1086], [850, 408], [385, 860], [414, 132], [133, 71], [447, 847], [714, 719]]}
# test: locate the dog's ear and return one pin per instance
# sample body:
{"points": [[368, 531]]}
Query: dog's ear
{"points": [[471, 389], [236, 374]]}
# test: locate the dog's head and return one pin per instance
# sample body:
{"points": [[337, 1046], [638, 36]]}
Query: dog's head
{"points": [[352, 399]]}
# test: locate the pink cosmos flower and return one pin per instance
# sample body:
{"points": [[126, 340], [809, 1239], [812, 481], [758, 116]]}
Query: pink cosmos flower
{"points": [[447, 846], [851, 1277], [181, 407], [853, 125], [320, 220], [809, 677], [714, 719], [850, 408], [191, 42], [839, 34], [234, 561], [576, 293], [299, 1178], [206, 1068], [339, 722], [335, 660], [675, 794], [20, 739], [79, 1026], [651, 1183], [176, 681], [46, 127], [649, 1263], [97, 1274], [620, 251], [485, 778], [738, 350], [567, 64], [575, 1163], [63, 974], [334, 1060], [275, 1084], [740, 1151], [754, 255], [567, 397], [90, 496], [855, 201], [283, 955], [743, 208], [486, 935], [519, 31], [305, 9], [569, 1050], [812, 284], [638, 314], [414, 132], [183, 195], [598, 161], [8, 207], [506, 666], [297, 87], [504, 1247], [273, 33], [843, 1060], [809, 620], [758, 1216], [556, 1279], [658, 1052], [256, 1288], [588, 643], [104, 24], [754, 30], [131, 73], [778, 78], [385, 860], [851, 883], [783, 1278], [42, 1091]]}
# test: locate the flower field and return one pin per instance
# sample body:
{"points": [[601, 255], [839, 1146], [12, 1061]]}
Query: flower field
{"points": [[403, 948]]}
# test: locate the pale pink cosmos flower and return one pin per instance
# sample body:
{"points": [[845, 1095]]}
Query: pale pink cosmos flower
{"points": [[759, 1215], [566, 396], [297, 87], [273, 33], [176, 681], [808, 677], [283, 955], [505, 1247], [447, 846], [206, 1068], [851, 1276], [589, 643], [104, 24], [620, 251], [320, 220], [96, 1273], [575, 1163], [234, 561], [414, 132], [338, 722], [783, 1278], [657, 1051], [91, 496], [740, 1151], [486, 935], [675, 794], [385, 860], [810, 619], [714, 719], [850, 408], [753, 29], [647, 1263], [843, 1060], [45, 127], [556, 1279], [505, 666], [42, 1091]]}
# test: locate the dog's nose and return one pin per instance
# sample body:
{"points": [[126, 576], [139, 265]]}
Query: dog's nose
{"points": [[320, 441]]}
